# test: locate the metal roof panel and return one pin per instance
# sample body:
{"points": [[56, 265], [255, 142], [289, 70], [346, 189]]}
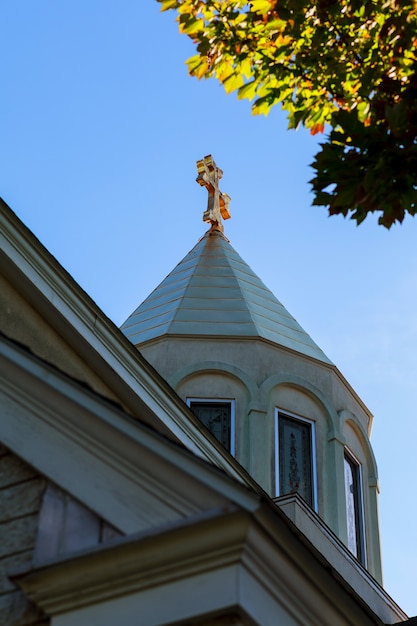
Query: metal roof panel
{"points": [[213, 292]]}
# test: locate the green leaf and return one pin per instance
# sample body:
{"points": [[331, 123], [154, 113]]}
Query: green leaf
{"points": [[349, 64]]}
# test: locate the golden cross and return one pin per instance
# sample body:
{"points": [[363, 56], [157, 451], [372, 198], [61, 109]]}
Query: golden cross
{"points": [[218, 203]]}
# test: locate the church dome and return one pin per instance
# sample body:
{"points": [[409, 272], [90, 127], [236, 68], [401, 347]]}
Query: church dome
{"points": [[260, 385], [213, 292]]}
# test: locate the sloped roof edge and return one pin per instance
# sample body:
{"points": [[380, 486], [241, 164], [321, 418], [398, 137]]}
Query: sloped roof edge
{"points": [[50, 410], [65, 305]]}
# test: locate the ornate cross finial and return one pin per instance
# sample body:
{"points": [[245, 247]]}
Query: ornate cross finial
{"points": [[218, 203]]}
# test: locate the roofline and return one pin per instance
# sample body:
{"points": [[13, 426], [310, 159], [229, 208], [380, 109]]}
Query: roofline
{"points": [[69, 309], [94, 432]]}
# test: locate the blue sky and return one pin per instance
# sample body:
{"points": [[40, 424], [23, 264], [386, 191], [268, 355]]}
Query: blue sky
{"points": [[100, 129]]}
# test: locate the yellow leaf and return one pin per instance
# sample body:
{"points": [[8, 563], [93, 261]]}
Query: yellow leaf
{"points": [[247, 91], [246, 68], [260, 107], [282, 41], [262, 6], [223, 72], [196, 66], [185, 9], [191, 26], [168, 4], [201, 70], [193, 62], [232, 82]]}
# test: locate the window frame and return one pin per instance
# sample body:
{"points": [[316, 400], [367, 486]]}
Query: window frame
{"points": [[353, 461], [231, 402], [313, 468]]}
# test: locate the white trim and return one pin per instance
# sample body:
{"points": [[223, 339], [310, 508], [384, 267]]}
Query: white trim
{"points": [[251, 563], [361, 513], [230, 401], [313, 452]]}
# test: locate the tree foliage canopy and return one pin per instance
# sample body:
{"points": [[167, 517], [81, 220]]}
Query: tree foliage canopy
{"points": [[345, 65]]}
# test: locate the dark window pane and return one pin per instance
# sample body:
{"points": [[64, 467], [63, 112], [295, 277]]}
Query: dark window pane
{"points": [[216, 416], [295, 463]]}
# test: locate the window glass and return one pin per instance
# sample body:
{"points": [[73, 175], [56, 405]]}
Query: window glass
{"points": [[216, 415], [295, 457], [354, 515]]}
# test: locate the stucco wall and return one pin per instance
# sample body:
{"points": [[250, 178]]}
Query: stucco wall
{"points": [[262, 378]]}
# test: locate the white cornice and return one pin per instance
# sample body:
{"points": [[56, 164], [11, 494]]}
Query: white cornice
{"points": [[345, 567], [141, 561], [233, 561]]}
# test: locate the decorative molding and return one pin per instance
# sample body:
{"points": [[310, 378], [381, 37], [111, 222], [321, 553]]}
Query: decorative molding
{"points": [[219, 367], [256, 563], [347, 417], [344, 565], [182, 550], [300, 384]]}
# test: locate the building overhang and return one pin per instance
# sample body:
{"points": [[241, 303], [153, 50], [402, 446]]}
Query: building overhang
{"points": [[223, 562]]}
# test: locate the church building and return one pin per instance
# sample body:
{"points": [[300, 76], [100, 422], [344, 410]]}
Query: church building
{"points": [[204, 464]]}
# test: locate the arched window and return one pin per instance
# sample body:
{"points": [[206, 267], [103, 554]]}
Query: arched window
{"points": [[295, 457], [354, 507]]}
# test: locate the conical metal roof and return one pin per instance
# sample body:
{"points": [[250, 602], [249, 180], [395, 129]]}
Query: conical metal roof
{"points": [[212, 292]]}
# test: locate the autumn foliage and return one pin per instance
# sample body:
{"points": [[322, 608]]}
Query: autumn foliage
{"points": [[345, 66]]}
